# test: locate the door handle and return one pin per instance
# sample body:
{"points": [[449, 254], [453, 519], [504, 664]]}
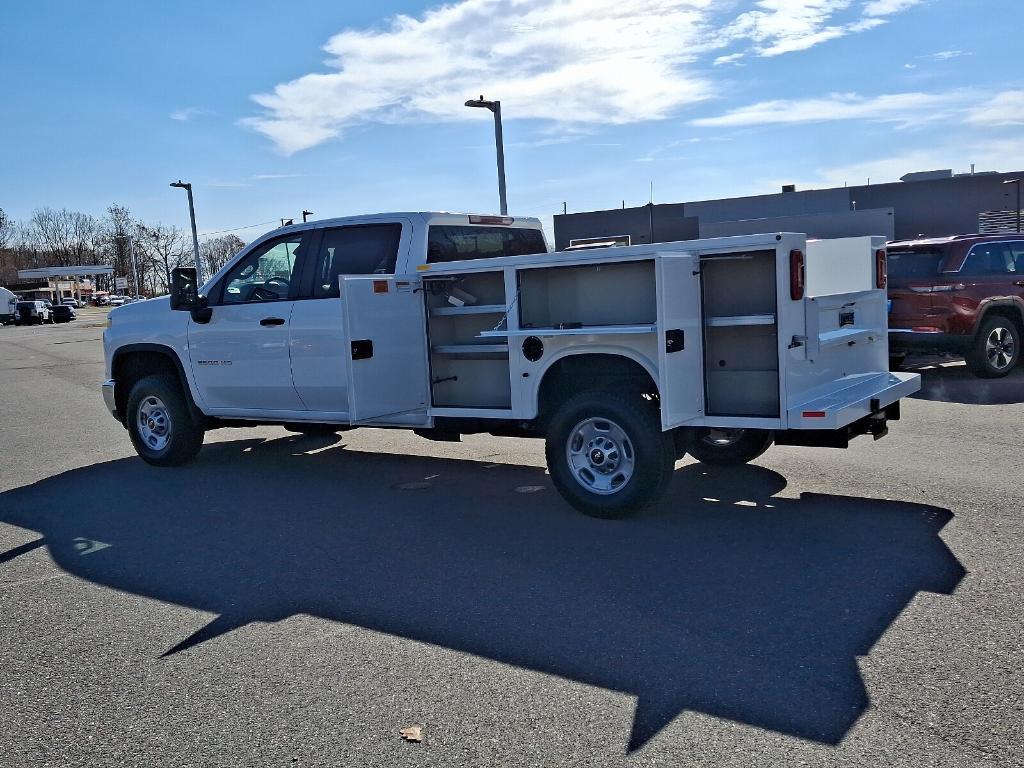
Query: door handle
{"points": [[272, 321]]}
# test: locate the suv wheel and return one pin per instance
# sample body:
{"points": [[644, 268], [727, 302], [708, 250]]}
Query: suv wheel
{"points": [[159, 423], [607, 454], [996, 348]]}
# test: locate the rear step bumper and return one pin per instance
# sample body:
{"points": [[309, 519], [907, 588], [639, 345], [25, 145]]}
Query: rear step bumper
{"points": [[853, 399]]}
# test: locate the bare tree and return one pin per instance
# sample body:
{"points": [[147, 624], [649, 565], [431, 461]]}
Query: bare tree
{"points": [[164, 248], [218, 251], [7, 227]]}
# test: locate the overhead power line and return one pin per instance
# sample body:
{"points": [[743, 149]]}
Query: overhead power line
{"points": [[235, 229]]}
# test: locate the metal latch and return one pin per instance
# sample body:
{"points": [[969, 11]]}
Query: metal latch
{"points": [[362, 349]]}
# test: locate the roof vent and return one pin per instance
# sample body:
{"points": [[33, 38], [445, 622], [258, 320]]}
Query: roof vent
{"points": [[788, 188]]}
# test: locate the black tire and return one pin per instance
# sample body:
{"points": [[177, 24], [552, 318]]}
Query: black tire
{"points": [[186, 437], [995, 349], [896, 361], [314, 429], [710, 447], [651, 451]]}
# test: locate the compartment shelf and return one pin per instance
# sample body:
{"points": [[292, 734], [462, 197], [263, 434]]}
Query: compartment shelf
{"points": [[587, 330], [730, 321], [460, 350], [472, 309]]}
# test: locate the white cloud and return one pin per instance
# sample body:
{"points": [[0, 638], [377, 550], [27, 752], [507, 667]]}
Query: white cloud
{"points": [[1006, 108], [732, 58], [946, 55], [575, 61], [888, 7], [906, 108], [186, 114]]}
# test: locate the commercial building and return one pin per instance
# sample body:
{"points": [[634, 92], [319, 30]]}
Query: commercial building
{"points": [[929, 203]]}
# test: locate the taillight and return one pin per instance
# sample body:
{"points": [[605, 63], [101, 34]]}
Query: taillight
{"points": [[881, 269], [502, 220], [796, 274]]}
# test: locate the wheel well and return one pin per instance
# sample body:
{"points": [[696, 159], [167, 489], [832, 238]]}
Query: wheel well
{"points": [[1011, 312], [591, 372], [129, 367]]}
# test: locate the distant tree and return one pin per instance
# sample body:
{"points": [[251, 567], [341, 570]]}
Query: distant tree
{"points": [[164, 248], [217, 251], [7, 228], [66, 236]]}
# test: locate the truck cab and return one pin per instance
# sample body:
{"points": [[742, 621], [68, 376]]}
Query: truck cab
{"points": [[621, 358]]}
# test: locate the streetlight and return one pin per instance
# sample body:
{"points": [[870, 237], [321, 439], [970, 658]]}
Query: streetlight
{"points": [[195, 238], [1017, 182], [495, 107], [305, 214]]}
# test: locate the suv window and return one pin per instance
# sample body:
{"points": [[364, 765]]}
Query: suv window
{"points": [[989, 259], [265, 274], [368, 249], [1017, 249], [915, 263], [455, 243]]}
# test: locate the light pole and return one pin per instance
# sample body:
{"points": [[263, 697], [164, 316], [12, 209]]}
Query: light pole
{"points": [[195, 238], [305, 214], [495, 107], [1017, 182]]}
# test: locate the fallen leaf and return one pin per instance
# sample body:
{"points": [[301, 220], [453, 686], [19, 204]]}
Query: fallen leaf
{"points": [[412, 733]]}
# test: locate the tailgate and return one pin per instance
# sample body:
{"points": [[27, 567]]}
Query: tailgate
{"points": [[852, 398]]}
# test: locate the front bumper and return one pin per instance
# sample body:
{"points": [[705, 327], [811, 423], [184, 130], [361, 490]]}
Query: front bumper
{"points": [[108, 398]]}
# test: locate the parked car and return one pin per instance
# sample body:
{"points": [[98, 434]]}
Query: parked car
{"points": [[962, 295], [32, 312], [73, 302], [116, 301], [64, 313]]}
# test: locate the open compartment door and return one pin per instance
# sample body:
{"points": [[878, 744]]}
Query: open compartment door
{"points": [[680, 359], [384, 332]]}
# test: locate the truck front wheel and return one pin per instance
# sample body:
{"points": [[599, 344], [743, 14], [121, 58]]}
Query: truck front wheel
{"points": [[608, 455], [159, 423], [728, 447]]}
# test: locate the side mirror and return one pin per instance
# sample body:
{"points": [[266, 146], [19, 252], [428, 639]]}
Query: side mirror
{"points": [[184, 289], [185, 294]]}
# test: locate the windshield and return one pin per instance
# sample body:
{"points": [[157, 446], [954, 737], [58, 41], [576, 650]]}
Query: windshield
{"points": [[919, 263], [455, 243]]}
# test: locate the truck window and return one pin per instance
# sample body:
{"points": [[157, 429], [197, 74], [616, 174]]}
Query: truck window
{"points": [[370, 249], [265, 274], [455, 243]]}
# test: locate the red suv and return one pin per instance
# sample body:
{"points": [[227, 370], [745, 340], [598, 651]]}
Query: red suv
{"points": [[962, 294]]}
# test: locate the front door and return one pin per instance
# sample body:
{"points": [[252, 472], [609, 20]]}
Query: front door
{"points": [[386, 338], [240, 357]]}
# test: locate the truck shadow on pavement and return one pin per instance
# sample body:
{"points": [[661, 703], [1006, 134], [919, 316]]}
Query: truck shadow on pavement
{"points": [[949, 382], [726, 598]]}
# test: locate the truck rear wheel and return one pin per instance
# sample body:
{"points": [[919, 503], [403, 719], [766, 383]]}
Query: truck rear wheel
{"points": [[608, 455], [159, 423], [728, 447]]}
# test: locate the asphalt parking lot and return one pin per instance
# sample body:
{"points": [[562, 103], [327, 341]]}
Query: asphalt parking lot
{"points": [[294, 600]]}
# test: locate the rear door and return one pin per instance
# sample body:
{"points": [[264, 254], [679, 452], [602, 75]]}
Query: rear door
{"points": [[912, 273], [680, 359], [385, 338]]}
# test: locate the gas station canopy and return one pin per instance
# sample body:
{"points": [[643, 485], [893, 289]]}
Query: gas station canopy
{"points": [[44, 272]]}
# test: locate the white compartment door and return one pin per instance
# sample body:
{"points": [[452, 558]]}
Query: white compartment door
{"points": [[386, 349], [680, 336]]}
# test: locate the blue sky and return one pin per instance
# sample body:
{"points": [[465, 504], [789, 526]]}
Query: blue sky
{"points": [[348, 108]]}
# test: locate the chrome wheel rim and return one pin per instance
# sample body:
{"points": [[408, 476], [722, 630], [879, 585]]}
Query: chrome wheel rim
{"points": [[600, 456], [154, 423], [721, 438], [999, 348]]}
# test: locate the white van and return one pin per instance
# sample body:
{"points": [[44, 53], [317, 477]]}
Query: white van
{"points": [[7, 302]]}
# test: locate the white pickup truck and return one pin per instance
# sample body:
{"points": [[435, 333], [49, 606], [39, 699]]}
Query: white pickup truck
{"points": [[621, 358]]}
